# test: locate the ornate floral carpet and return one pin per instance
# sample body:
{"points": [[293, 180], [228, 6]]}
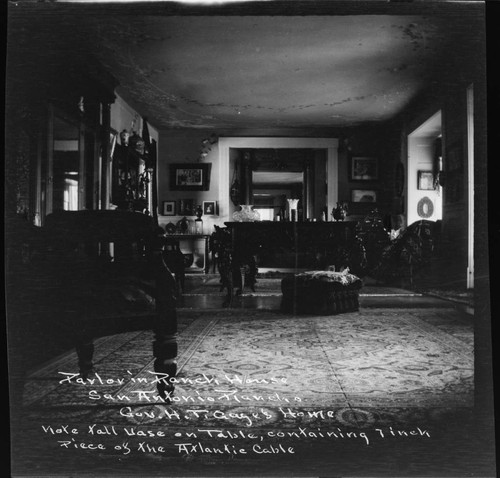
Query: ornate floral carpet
{"points": [[261, 392]]}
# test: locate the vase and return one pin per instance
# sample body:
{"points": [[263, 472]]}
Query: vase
{"points": [[292, 209], [198, 212], [246, 214], [340, 212], [183, 225]]}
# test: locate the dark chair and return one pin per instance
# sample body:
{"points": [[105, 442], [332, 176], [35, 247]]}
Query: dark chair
{"points": [[409, 254], [374, 237], [235, 271], [87, 274]]}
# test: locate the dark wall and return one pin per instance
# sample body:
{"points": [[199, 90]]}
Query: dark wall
{"points": [[379, 141]]}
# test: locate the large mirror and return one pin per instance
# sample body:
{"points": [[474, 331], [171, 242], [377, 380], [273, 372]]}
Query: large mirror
{"points": [[271, 189], [269, 177]]}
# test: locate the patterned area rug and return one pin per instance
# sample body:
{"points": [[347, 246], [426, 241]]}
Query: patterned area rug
{"points": [[384, 357], [255, 391]]}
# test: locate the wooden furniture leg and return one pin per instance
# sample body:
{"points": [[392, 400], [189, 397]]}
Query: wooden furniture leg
{"points": [[165, 329]]}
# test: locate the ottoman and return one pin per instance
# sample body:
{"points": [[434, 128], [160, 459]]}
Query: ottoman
{"points": [[320, 292]]}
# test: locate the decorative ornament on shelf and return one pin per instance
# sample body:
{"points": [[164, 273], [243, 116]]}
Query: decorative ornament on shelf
{"points": [[198, 222], [170, 228], [124, 137], [137, 143], [183, 225], [340, 212], [246, 214]]}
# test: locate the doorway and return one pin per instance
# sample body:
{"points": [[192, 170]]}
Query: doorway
{"points": [[424, 192]]}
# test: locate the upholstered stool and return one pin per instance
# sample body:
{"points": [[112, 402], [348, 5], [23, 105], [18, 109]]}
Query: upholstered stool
{"points": [[320, 292]]}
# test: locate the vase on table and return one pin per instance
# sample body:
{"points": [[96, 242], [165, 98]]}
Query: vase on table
{"points": [[246, 214], [292, 209], [198, 222], [340, 212]]}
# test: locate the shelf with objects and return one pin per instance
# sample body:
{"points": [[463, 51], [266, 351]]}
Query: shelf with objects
{"points": [[132, 174], [188, 236]]}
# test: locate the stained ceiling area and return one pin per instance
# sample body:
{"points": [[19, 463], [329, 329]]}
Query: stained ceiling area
{"points": [[262, 71]]}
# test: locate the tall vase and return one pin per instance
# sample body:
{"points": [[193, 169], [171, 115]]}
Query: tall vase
{"points": [[246, 214], [292, 209], [198, 222]]}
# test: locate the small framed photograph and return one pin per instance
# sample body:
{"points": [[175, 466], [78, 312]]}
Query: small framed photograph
{"points": [[209, 208], [168, 208], [186, 207], [425, 180], [364, 169], [363, 195], [190, 176]]}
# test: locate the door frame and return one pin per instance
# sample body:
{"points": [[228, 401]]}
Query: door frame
{"points": [[226, 143]]}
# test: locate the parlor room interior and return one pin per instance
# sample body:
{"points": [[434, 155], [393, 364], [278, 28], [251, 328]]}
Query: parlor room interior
{"points": [[245, 209]]}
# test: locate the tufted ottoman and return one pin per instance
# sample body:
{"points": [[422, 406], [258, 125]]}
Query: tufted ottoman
{"points": [[320, 292]]}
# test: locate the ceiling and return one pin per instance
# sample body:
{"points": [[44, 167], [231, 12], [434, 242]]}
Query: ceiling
{"points": [[267, 71]]}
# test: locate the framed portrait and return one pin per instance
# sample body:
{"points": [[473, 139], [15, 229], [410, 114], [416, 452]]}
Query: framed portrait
{"points": [[364, 195], [190, 176], [168, 208], [186, 207], [364, 169], [209, 208], [425, 180]]}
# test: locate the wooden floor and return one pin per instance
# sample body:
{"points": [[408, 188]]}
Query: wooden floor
{"points": [[202, 291]]}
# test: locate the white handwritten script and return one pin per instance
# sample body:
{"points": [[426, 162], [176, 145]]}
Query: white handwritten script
{"points": [[222, 421]]}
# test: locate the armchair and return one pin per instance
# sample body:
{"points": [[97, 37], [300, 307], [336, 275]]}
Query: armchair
{"points": [[87, 274]]}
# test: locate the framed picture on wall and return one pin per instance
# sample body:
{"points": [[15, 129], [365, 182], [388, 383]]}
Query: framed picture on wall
{"points": [[363, 195], [190, 176], [168, 208], [209, 208], [364, 169], [425, 180], [186, 207]]}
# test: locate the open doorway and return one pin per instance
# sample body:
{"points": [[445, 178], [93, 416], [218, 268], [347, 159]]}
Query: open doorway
{"points": [[424, 196]]}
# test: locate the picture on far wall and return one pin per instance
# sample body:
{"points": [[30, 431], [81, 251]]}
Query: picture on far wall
{"points": [[364, 169], [186, 207], [363, 195], [425, 180], [190, 176], [168, 208], [209, 208]]}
